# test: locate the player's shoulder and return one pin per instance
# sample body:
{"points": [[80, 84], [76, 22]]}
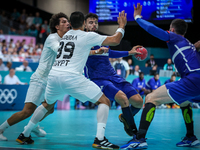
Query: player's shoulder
{"points": [[52, 36]]}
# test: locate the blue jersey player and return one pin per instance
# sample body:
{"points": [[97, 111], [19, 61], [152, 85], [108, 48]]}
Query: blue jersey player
{"points": [[140, 85], [153, 83], [99, 70], [186, 90]]}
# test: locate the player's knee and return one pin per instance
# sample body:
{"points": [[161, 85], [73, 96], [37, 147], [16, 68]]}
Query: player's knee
{"points": [[136, 101], [104, 100], [149, 99], [51, 110], [27, 112], [122, 99]]}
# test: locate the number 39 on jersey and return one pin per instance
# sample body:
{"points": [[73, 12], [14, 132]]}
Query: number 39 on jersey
{"points": [[64, 54]]}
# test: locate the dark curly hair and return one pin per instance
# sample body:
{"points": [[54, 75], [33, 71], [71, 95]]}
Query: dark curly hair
{"points": [[55, 20], [91, 15]]}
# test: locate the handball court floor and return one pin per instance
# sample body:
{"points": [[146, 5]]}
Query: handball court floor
{"points": [[76, 129]]}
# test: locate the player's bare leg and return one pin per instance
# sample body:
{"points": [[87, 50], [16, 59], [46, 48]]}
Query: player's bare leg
{"points": [[27, 111], [40, 112]]}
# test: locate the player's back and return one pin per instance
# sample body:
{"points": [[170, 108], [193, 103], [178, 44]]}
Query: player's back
{"points": [[74, 50], [48, 55], [184, 55]]}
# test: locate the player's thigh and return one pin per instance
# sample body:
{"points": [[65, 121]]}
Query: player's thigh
{"points": [[35, 93], [54, 91], [159, 96], [127, 88], [82, 88]]}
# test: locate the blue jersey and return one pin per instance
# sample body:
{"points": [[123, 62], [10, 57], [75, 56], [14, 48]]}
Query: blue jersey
{"points": [[152, 84], [139, 84], [183, 53], [99, 67], [167, 81]]}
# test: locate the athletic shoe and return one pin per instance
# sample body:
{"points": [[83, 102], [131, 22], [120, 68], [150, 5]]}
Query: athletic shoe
{"points": [[38, 131], [24, 140], [127, 129], [188, 142], [103, 144], [135, 144], [2, 137], [175, 106]]}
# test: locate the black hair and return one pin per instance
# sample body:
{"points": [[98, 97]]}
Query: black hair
{"points": [[140, 73], [155, 74], [180, 26], [91, 15], [173, 75], [55, 20], [77, 19]]}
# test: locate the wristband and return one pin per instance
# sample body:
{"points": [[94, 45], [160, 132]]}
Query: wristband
{"points": [[121, 30], [137, 16]]}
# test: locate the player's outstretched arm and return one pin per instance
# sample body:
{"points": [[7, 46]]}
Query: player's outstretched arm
{"points": [[149, 27], [116, 38], [118, 54]]}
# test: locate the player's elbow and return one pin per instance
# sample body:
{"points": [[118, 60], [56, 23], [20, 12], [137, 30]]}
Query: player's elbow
{"points": [[115, 42]]}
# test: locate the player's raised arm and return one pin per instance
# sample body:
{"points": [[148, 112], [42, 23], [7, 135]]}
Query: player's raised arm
{"points": [[149, 27], [116, 38]]}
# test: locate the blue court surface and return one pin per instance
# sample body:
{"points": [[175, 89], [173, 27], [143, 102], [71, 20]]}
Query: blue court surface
{"points": [[76, 130]]}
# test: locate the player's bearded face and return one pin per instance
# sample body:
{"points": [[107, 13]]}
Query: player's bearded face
{"points": [[91, 24]]}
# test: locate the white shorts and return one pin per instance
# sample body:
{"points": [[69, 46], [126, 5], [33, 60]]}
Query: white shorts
{"points": [[72, 84], [36, 90]]}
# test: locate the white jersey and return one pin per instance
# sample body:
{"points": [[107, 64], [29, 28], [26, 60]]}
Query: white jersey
{"points": [[48, 56], [74, 50]]}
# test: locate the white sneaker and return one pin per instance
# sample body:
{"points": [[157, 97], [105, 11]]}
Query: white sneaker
{"points": [[2, 137], [38, 131]]}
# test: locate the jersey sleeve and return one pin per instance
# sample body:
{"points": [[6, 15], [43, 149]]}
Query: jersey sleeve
{"points": [[117, 54], [94, 39], [53, 44], [152, 85], [153, 30], [134, 83]]}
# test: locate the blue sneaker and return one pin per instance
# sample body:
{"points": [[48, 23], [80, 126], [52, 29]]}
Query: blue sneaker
{"points": [[188, 142], [135, 144]]}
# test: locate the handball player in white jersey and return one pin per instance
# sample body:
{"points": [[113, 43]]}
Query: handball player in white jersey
{"points": [[66, 76], [59, 25]]}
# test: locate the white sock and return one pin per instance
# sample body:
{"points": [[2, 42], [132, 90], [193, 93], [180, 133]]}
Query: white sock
{"points": [[37, 116], [3, 126], [100, 130], [28, 129], [102, 116]]}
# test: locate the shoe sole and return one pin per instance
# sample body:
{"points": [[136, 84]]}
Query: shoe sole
{"points": [[126, 127], [22, 142], [99, 147]]}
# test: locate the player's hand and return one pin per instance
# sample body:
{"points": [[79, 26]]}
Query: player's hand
{"points": [[103, 50], [197, 44], [134, 51], [137, 10], [122, 20]]}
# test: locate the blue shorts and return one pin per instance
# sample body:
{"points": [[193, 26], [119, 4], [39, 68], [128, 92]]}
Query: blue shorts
{"points": [[186, 89], [110, 88]]}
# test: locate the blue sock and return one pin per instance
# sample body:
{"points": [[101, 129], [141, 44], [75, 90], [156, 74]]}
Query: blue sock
{"points": [[127, 114], [134, 110]]}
